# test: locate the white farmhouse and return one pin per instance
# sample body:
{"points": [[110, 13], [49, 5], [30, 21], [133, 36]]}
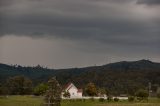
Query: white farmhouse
{"points": [[73, 90]]}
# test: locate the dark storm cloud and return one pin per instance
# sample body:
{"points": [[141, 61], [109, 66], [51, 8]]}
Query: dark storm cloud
{"points": [[149, 2], [108, 21], [69, 33]]}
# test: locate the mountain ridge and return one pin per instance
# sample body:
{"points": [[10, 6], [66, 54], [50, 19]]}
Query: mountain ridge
{"points": [[119, 77]]}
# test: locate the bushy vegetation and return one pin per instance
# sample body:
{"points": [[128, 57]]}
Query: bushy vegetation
{"points": [[142, 94], [19, 85], [158, 92], [158, 95], [40, 89], [131, 98], [109, 98], [91, 89], [116, 99]]}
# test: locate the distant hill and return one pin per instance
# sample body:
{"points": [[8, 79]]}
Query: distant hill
{"points": [[120, 77]]}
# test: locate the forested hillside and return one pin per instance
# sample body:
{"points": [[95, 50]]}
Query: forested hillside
{"points": [[118, 78]]}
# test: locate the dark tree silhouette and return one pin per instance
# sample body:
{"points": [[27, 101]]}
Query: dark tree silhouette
{"points": [[19, 85]]}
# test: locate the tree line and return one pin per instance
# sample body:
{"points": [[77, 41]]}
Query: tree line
{"points": [[20, 85]]}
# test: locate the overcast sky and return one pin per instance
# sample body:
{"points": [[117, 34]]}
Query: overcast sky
{"points": [[78, 33]]}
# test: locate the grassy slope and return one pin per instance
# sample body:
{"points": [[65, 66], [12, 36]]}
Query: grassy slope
{"points": [[36, 101]]}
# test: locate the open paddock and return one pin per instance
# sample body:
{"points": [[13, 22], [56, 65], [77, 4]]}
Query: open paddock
{"points": [[38, 101]]}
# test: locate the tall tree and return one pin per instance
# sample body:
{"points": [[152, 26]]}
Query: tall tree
{"points": [[91, 89], [19, 85], [53, 94]]}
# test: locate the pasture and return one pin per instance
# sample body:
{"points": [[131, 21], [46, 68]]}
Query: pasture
{"points": [[38, 101]]}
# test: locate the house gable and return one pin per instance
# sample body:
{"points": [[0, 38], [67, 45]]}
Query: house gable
{"points": [[73, 90], [71, 86]]}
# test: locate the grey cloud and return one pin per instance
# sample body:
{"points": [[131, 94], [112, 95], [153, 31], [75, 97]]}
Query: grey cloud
{"points": [[76, 20], [149, 2], [91, 29]]}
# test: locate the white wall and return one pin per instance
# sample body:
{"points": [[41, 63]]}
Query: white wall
{"points": [[73, 92], [79, 94]]}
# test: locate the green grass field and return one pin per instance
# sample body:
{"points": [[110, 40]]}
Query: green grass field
{"points": [[38, 101]]}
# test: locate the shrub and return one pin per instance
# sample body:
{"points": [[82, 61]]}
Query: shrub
{"points": [[116, 99], [101, 100], [66, 94], [142, 94], [158, 95], [109, 98], [131, 98], [40, 89]]}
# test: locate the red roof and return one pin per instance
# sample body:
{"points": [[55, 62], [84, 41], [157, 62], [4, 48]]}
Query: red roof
{"points": [[67, 85]]}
